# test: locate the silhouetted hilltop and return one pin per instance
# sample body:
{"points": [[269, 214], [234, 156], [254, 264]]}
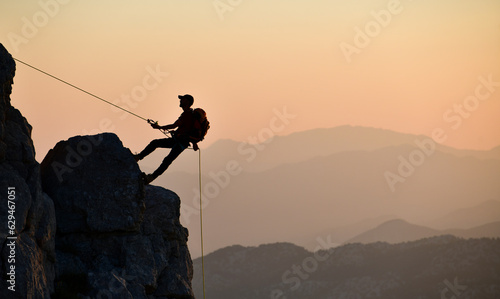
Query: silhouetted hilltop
{"points": [[483, 213], [429, 268], [85, 224], [395, 231], [489, 230], [244, 270], [398, 230]]}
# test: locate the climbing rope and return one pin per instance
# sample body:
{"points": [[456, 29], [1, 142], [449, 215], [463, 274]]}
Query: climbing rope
{"points": [[80, 89], [201, 225], [163, 131]]}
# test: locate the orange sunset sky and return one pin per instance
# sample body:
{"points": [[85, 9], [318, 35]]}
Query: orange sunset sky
{"points": [[407, 66]]}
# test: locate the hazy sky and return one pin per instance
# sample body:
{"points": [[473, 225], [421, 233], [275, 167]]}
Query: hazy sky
{"points": [[408, 66]]}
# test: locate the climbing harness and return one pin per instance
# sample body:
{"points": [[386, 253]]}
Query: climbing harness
{"points": [[169, 134], [166, 132]]}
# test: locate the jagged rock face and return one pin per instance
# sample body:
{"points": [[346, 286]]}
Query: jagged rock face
{"points": [[30, 249], [95, 183], [116, 238]]}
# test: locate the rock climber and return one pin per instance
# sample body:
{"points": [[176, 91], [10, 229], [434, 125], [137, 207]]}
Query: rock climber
{"points": [[178, 142]]}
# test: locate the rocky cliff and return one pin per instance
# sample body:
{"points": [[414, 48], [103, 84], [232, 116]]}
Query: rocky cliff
{"points": [[27, 218], [115, 237], [85, 224]]}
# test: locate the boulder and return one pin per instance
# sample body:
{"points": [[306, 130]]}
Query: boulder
{"points": [[95, 184], [116, 238]]}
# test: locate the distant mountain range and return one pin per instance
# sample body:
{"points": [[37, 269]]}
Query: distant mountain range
{"points": [[485, 212], [303, 146], [331, 181], [439, 267], [398, 231], [479, 221]]}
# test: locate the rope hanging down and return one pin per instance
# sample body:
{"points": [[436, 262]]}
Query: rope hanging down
{"points": [[149, 121], [201, 226], [80, 89]]}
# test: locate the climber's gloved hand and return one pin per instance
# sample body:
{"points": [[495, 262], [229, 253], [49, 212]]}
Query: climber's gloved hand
{"points": [[154, 124]]}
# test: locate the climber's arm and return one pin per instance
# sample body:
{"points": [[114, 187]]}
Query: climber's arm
{"points": [[170, 127]]}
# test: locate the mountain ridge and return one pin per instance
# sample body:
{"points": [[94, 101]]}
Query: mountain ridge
{"points": [[487, 211], [417, 269], [398, 231], [301, 146], [334, 191]]}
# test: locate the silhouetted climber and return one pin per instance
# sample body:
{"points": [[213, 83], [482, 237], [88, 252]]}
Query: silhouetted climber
{"points": [[191, 126]]}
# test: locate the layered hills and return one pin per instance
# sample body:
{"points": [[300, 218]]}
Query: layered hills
{"points": [[360, 175], [438, 267]]}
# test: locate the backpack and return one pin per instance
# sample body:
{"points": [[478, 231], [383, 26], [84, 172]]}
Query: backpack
{"points": [[200, 125]]}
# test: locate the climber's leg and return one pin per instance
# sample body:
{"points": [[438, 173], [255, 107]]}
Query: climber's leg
{"points": [[177, 149], [157, 143]]}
